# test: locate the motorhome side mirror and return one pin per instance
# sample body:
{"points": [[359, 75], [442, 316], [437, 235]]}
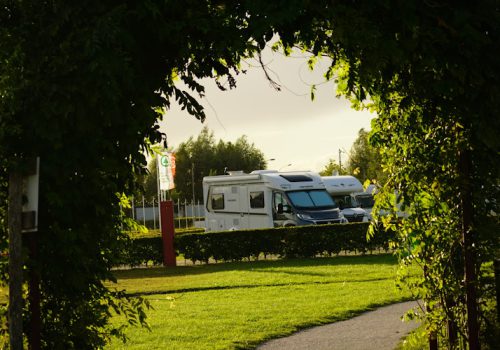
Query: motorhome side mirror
{"points": [[287, 209]]}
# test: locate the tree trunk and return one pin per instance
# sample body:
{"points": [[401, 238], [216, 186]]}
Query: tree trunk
{"points": [[452, 327], [433, 341], [497, 286], [468, 248], [34, 337], [15, 261]]}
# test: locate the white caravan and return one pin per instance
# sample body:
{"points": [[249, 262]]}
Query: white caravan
{"points": [[267, 198], [366, 200], [343, 190]]}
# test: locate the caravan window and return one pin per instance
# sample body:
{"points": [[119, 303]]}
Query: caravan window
{"points": [[217, 200], [257, 199]]}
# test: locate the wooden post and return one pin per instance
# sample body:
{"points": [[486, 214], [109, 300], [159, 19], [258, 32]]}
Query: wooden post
{"points": [[496, 265], [451, 325], [15, 312], [433, 341], [34, 335], [167, 232]]}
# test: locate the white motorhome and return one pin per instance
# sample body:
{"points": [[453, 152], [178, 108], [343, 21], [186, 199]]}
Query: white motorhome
{"points": [[343, 190], [267, 198], [365, 199]]}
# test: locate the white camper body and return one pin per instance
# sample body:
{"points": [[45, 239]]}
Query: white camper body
{"points": [[343, 190], [366, 200], [266, 198]]}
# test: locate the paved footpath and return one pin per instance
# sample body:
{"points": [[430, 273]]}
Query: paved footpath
{"points": [[380, 329]]}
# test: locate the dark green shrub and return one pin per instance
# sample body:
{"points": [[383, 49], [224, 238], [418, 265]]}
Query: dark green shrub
{"points": [[140, 251], [286, 242]]}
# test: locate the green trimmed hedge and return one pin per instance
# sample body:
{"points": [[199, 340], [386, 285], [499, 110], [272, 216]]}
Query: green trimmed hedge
{"points": [[286, 242], [140, 250]]}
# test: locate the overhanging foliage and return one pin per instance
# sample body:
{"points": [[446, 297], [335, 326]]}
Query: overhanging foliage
{"points": [[78, 82], [428, 71]]}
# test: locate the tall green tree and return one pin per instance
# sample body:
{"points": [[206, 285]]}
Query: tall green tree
{"points": [[332, 167], [203, 156], [365, 160], [195, 159]]}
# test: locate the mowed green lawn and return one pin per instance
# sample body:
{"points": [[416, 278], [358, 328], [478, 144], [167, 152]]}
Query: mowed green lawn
{"points": [[239, 305]]}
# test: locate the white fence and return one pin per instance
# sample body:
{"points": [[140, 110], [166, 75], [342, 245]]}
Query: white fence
{"points": [[149, 212]]}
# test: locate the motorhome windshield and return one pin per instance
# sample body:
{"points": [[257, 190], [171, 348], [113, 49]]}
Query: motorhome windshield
{"points": [[365, 201], [312, 199]]}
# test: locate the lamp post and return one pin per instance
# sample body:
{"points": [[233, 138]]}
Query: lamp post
{"points": [[192, 181], [286, 166], [340, 159], [270, 160]]}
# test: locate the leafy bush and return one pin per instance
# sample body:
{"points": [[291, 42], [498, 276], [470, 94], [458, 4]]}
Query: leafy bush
{"points": [[140, 251]]}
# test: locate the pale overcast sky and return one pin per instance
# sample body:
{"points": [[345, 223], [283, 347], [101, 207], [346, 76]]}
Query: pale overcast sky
{"points": [[285, 125]]}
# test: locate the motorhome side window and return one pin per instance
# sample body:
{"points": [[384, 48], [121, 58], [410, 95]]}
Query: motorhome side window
{"points": [[257, 199], [217, 200], [279, 200]]}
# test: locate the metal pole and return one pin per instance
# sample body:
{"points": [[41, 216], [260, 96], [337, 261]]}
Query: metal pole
{"points": [[340, 161], [158, 190], [192, 213], [179, 213], [121, 211], [185, 212], [154, 215], [192, 179], [133, 208], [15, 312], [143, 212]]}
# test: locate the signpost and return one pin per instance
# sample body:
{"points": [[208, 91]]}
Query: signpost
{"points": [[166, 174], [167, 232], [166, 171]]}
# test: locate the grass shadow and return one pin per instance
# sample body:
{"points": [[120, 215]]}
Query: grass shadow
{"points": [[259, 266]]}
